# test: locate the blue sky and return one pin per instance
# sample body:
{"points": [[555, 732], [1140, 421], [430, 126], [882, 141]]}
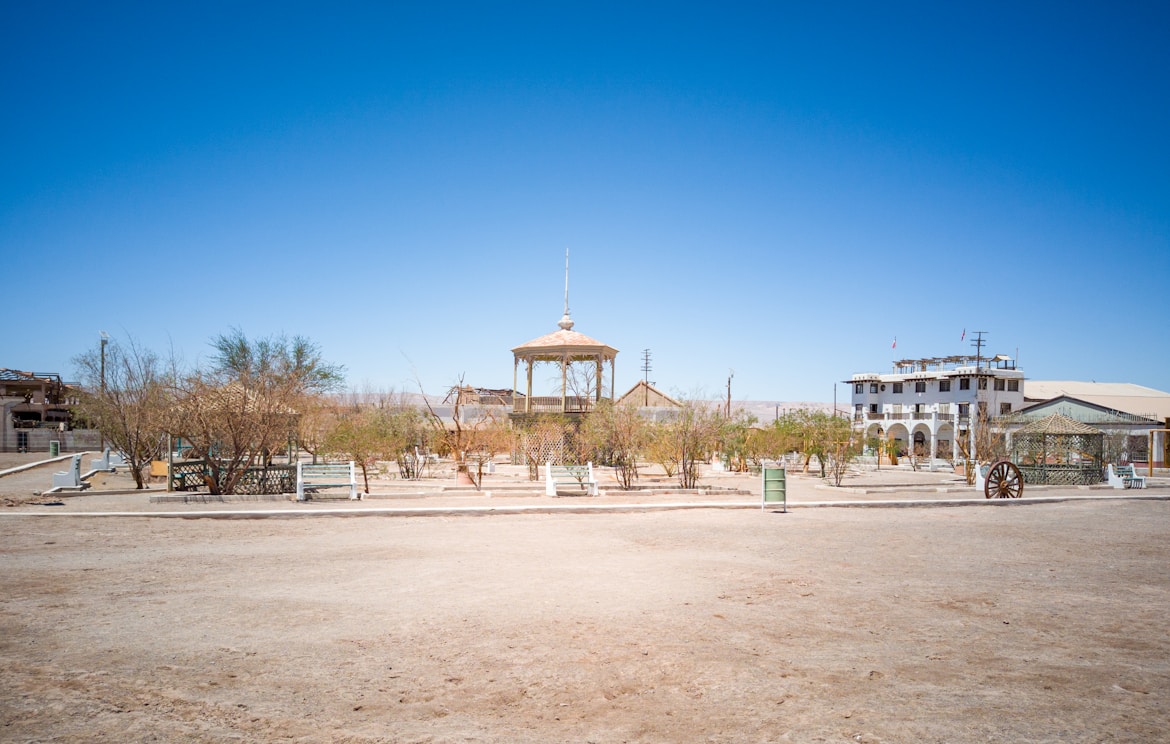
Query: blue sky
{"points": [[778, 189]]}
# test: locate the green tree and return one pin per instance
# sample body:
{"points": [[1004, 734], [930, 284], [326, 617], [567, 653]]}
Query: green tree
{"points": [[614, 435], [245, 403], [687, 440], [736, 441]]}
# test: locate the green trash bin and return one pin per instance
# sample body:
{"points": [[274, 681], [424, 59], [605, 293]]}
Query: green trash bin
{"points": [[54, 448], [775, 488]]}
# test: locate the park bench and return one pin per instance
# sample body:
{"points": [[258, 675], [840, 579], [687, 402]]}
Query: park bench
{"points": [[70, 478], [312, 478], [580, 476], [1125, 476], [108, 462]]}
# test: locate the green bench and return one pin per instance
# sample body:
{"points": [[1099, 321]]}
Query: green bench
{"points": [[1125, 476], [580, 476], [312, 478]]}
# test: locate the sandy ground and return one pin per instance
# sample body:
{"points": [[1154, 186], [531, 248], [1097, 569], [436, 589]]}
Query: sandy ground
{"points": [[1035, 622]]}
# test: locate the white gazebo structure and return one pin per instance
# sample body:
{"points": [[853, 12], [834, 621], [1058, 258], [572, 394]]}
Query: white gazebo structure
{"points": [[582, 366]]}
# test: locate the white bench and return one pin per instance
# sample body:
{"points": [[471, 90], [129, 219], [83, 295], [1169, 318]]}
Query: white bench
{"points": [[109, 461], [580, 476], [70, 478], [327, 475], [1125, 476]]}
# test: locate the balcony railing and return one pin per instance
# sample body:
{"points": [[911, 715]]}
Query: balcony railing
{"points": [[909, 416]]}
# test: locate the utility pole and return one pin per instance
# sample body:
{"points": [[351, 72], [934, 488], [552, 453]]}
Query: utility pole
{"points": [[978, 344], [976, 424], [646, 376]]}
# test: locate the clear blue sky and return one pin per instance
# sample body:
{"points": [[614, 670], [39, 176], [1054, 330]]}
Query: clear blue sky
{"points": [[778, 189]]}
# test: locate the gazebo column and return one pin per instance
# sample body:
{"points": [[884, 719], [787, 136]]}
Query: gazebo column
{"points": [[564, 381], [600, 377], [528, 398]]}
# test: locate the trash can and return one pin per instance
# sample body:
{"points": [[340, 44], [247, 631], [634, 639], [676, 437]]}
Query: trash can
{"points": [[54, 448], [775, 488]]}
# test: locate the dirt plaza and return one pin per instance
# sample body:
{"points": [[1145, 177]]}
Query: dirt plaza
{"points": [[1034, 621]]}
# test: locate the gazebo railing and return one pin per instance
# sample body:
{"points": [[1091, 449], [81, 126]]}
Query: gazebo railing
{"points": [[553, 403]]}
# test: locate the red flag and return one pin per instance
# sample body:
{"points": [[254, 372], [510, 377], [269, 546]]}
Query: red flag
{"points": [[895, 344], [963, 336]]}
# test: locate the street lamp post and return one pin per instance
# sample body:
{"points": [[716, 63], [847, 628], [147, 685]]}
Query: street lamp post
{"points": [[105, 340]]}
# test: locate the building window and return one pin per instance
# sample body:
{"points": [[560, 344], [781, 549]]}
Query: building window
{"points": [[964, 383], [944, 409], [920, 387], [1005, 409], [873, 387], [944, 386], [982, 383], [858, 388], [897, 387], [873, 407], [1014, 386], [999, 384], [919, 408], [964, 409]]}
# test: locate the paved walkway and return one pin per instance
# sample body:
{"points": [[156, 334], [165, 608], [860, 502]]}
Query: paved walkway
{"points": [[508, 491]]}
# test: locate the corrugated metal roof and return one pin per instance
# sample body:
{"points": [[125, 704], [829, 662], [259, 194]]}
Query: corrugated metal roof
{"points": [[1117, 396]]}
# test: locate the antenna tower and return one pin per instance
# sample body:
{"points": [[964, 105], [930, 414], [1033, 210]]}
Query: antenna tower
{"points": [[646, 366], [978, 344]]}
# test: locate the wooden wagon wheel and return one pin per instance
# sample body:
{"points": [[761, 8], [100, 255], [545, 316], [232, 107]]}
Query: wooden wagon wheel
{"points": [[1004, 481]]}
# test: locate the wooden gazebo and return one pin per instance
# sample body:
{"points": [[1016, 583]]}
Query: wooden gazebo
{"points": [[1060, 451], [565, 348]]}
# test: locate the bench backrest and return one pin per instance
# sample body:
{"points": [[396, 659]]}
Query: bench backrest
{"points": [[320, 473], [576, 471], [325, 475], [1125, 471]]}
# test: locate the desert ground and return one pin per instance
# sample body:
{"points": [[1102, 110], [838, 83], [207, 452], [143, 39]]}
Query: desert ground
{"points": [[1038, 622]]}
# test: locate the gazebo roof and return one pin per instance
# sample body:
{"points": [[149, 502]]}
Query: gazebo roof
{"points": [[562, 341], [1058, 424]]}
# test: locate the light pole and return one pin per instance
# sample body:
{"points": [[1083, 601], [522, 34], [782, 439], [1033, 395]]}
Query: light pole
{"points": [[105, 340]]}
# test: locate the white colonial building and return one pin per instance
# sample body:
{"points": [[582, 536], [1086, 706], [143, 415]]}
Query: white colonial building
{"points": [[928, 404]]}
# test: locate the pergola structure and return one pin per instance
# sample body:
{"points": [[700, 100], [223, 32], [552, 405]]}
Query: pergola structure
{"points": [[1058, 450], [564, 347]]}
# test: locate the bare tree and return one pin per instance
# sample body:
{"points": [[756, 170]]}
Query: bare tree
{"points": [[472, 443], [688, 439], [124, 396], [614, 435]]}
